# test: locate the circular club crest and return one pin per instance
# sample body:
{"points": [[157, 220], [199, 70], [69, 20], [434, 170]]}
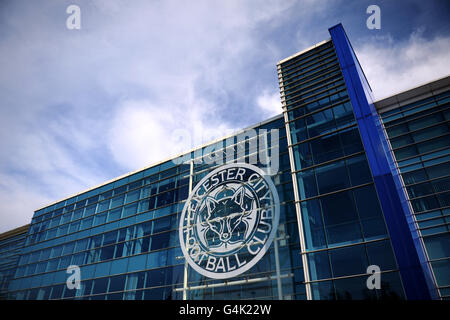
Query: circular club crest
{"points": [[229, 220]]}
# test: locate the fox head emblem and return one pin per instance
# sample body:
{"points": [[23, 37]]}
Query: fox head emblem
{"points": [[227, 218]]}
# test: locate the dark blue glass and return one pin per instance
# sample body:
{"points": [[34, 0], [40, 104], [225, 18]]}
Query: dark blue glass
{"points": [[370, 213], [348, 261], [326, 148], [312, 224], [380, 253], [307, 186], [341, 219], [438, 246], [117, 283], [332, 177], [353, 289], [358, 169], [319, 265]]}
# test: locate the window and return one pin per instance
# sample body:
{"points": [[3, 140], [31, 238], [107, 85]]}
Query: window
{"points": [[332, 177], [117, 283], [312, 220], [341, 219], [370, 213], [132, 196], [100, 285], [348, 261], [319, 265]]}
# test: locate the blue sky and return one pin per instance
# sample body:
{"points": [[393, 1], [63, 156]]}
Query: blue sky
{"points": [[79, 107]]}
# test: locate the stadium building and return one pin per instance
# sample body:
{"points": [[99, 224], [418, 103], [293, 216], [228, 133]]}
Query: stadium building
{"points": [[320, 202]]}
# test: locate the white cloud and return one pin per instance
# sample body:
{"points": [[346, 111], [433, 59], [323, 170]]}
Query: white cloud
{"points": [[394, 66], [142, 133], [270, 103]]}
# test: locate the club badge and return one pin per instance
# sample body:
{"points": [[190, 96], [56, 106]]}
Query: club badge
{"points": [[229, 220]]}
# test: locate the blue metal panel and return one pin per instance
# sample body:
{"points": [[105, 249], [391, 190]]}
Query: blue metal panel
{"points": [[414, 269]]}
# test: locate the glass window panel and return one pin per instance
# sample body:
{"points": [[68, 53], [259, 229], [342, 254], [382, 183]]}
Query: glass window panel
{"points": [[114, 214], [303, 156], [359, 170], [326, 148], [133, 196], [130, 210], [439, 170], [100, 285], [74, 226], [414, 177], [332, 177], [117, 201], [441, 271], [117, 283], [344, 114], [348, 261], [319, 265], [100, 218], [353, 289], [341, 219], [136, 280], [351, 141], [102, 206], [160, 241], [323, 290], [86, 223], [137, 262], [77, 214], [156, 259], [155, 278], [57, 291], [433, 144], [418, 190], [90, 210], [401, 141], [307, 186], [56, 251], [425, 203], [397, 130], [320, 123], [119, 266], [444, 199], [370, 213], [380, 253], [68, 248], [313, 225], [405, 152], [438, 246]]}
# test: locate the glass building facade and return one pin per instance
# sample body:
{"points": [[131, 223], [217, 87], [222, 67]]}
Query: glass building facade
{"points": [[418, 132], [11, 243], [360, 183], [341, 220]]}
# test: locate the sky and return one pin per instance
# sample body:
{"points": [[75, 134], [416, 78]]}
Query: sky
{"points": [[145, 80]]}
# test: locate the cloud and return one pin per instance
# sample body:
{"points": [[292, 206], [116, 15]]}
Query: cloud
{"points": [[270, 103], [394, 66], [141, 134], [138, 83]]}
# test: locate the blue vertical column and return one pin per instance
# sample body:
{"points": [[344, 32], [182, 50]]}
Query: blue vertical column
{"points": [[414, 269]]}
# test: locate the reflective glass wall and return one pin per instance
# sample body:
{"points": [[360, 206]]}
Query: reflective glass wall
{"points": [[419, 137], [124, 236], [342, 226], [11, 244]]}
